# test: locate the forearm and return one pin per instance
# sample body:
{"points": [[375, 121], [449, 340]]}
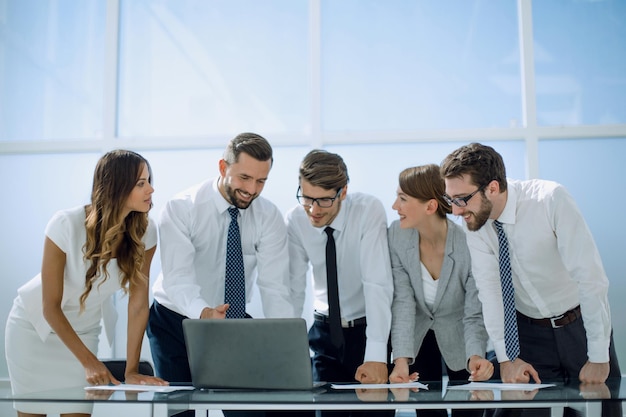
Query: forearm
{"points": [[137, 321], [64, 330]]}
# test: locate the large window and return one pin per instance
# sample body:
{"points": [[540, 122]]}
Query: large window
{"points": [[195, 67], [51, 69], [580, 62], [400, 65]]}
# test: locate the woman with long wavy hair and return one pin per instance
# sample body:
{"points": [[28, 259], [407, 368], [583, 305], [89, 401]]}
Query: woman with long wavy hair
{"points": [[89, 253]]}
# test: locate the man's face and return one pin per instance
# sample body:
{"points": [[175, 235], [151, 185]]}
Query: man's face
{"points": [[320, 216], [478, 208], [244, 180]]}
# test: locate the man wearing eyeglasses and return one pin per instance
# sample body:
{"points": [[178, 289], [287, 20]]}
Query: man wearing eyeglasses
{"points": [[560, 287], [357, 225]]}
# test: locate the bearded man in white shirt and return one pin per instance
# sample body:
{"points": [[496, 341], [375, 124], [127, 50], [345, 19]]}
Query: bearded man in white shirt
{"points": [[563, 315], [193, 233], [358, 225]]}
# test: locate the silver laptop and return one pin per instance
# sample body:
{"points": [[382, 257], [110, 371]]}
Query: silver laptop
{"points": [[249, 353]]}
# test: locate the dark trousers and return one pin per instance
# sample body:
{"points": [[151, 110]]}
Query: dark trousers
{"points": [[169, 352], [558, 356], [430, 365], [339, 365]]}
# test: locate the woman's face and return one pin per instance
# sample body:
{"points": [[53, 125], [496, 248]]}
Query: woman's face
{"points": [[409, 209], [140, 198]]}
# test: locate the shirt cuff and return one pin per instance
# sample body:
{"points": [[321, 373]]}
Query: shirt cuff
{"points": [[375, 352], [598, 351], [500, 349]]}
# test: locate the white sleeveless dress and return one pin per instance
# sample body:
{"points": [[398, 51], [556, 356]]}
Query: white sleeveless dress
{"points": [[37, 359]]}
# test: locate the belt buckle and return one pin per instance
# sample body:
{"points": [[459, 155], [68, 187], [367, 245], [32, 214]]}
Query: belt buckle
{"points": [[345, 323], [554, 319]]}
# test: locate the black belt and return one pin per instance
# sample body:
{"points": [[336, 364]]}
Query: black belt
{"points": [[557, 321], [344, 323]]}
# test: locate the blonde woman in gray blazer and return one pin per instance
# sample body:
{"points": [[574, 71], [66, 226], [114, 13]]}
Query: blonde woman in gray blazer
{"points": [[436, 313]]}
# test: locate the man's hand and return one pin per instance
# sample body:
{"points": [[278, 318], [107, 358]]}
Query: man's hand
{"points": [[372, 373], [480, 368], [518, 371], [594, 373], [218, 312]]}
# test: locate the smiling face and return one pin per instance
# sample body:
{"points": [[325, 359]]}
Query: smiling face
{"points": [[410, 209], [140, 198], [320, 216], [241, 182], [478, 209]]}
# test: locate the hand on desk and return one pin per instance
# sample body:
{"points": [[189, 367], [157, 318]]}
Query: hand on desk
{"points": [[480, 368], [594, 373], [96, 373], [400, 373], [372, 373], [135, 378], [518, 371]]}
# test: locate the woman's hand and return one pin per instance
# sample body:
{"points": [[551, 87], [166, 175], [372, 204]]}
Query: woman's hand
{"points": [[136, 378], [96, 373], [400, 373]]}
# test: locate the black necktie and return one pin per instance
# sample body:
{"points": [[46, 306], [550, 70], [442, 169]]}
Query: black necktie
{"points": [[334, 313], [235, 280]]}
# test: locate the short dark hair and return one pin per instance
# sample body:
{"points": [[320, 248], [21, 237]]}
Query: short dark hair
{"points": [[425, 183], [250, 143], [324, 169], [481, 162]]}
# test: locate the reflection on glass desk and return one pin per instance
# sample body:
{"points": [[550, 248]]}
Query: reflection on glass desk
{"points": [[591, 400]]}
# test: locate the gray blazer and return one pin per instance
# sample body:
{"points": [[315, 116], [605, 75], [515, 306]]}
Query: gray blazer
{"points": [[457, 312]]}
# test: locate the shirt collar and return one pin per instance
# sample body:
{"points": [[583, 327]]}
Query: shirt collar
{"points": [[508, 214], [220, 202]]}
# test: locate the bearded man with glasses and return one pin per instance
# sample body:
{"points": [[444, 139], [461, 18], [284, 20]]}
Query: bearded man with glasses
{"points": [[350, 336], [561, 316]]}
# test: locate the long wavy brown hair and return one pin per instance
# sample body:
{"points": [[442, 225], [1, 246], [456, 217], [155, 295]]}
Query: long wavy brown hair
{"points": [[110, 234]]}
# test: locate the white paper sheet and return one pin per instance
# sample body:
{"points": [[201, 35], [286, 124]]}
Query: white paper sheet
{"points": [[131, 387], [379, 386], [477, 386]]}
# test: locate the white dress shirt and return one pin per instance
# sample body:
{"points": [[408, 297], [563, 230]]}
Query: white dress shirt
{"points": [[554, 261], [363, 266], [193, 229], [67, 230]]}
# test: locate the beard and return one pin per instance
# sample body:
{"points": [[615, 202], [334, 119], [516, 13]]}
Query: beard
{"points": [[237, 202], [480, 217]]}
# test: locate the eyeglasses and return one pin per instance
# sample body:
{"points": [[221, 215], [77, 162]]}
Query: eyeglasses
{"points": [[461, 201], [323, 202]]}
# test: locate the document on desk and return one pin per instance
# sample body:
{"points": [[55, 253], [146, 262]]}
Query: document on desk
{"points": [[477, 386], [131, 387], [379, 386]]}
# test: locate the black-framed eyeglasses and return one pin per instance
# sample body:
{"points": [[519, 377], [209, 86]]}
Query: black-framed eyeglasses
{"points": [[461, 201], [323, 202]]}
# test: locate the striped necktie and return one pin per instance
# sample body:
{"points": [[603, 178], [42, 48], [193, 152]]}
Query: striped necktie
{"points": [[511, 339]]}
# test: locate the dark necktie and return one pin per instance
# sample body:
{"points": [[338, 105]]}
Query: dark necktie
{"points": [[334, 312], [235, 281], [511, 340]]}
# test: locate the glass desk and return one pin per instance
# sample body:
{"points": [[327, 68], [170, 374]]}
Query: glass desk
{"points": [[593, 401]]}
